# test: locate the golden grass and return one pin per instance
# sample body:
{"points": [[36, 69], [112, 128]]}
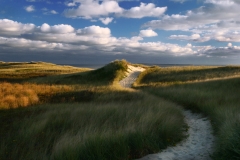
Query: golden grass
{"points": [[157, 76], [15, 95]]}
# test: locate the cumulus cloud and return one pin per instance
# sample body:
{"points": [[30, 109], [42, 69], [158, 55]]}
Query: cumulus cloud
{"points": [[93, 8], [147, 33], [106, 20], [13, 28], [216, 20], [213, 12], [95, 31], [30, 8], [144, 10], [59, 29], [223, 52], [193, 37], [95, 39], [92, 39]]}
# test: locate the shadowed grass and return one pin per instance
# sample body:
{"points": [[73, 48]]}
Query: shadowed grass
{"points": [[107, 75], [218, 99], [92, 118], [101, 129]]}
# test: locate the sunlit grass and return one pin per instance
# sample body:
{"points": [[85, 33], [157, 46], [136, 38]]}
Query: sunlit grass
{"points": [[85, 115], [179, 75], [219, 99], [15, 95], [20, 71]]}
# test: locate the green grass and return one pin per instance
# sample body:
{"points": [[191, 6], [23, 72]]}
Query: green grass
{"points": [[177, 75], [22, 71], [218, 99], [92, 118], [105, 76], [96, 130]]}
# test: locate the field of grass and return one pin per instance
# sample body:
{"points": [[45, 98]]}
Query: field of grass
{"points": [[218, 99], [179, 75], [16, 72], [83, 115]]}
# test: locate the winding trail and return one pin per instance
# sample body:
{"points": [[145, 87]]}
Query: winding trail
{"points": [[132, 74], [199, 144]]}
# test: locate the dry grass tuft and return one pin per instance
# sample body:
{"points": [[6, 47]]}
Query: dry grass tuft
{"points": [[22, 95]]}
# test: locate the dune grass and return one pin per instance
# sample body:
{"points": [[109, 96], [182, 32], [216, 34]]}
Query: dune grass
{"points": [[218, 99], [15, 95], [132, 127], [104, 76], [21, 71], [178, 75], [86, 116]]}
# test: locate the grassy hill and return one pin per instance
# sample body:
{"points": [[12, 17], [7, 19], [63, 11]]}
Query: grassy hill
{"points": [[79, 113], [213, 91]]}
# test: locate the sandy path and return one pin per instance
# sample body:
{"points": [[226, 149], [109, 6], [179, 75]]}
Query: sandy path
{"points": [[132, 75], [199, 144]]}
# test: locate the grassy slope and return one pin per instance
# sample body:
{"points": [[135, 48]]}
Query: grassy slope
{"points": [[20, 72], [177, 75], [96, 119], [218, 99]]}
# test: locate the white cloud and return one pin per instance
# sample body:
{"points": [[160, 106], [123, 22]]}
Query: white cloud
{"points": [[70, 4], [95, 31], [31, 0], [106, 20], [95, 39], [216, 20], [193, 37], [93, 8], [144, 10], [47, 11], [214, 12], [179, 1], [92, 39], [147, 33], [29, 8], [58, 29], [10, 28], [53, 12]]}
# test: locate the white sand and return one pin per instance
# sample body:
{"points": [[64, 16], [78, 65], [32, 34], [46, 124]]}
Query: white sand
{"points": [[200, 142], [132, 74], [198, 146]]}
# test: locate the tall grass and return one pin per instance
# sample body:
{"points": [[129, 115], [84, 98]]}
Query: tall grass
{"points": [[18, 72], [177, 75], [87, 116], [133, 126], [218, 99], [104, 76], [15, 95]]}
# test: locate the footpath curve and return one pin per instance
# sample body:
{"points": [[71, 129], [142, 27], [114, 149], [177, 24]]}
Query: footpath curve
{"points": [[199, 144]]}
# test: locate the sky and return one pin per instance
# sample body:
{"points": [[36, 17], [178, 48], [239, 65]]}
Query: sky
{"points": [[198, 32]]}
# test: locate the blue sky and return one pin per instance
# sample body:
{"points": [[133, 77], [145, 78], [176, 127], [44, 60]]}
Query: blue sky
{"points": [[142, 31]]}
